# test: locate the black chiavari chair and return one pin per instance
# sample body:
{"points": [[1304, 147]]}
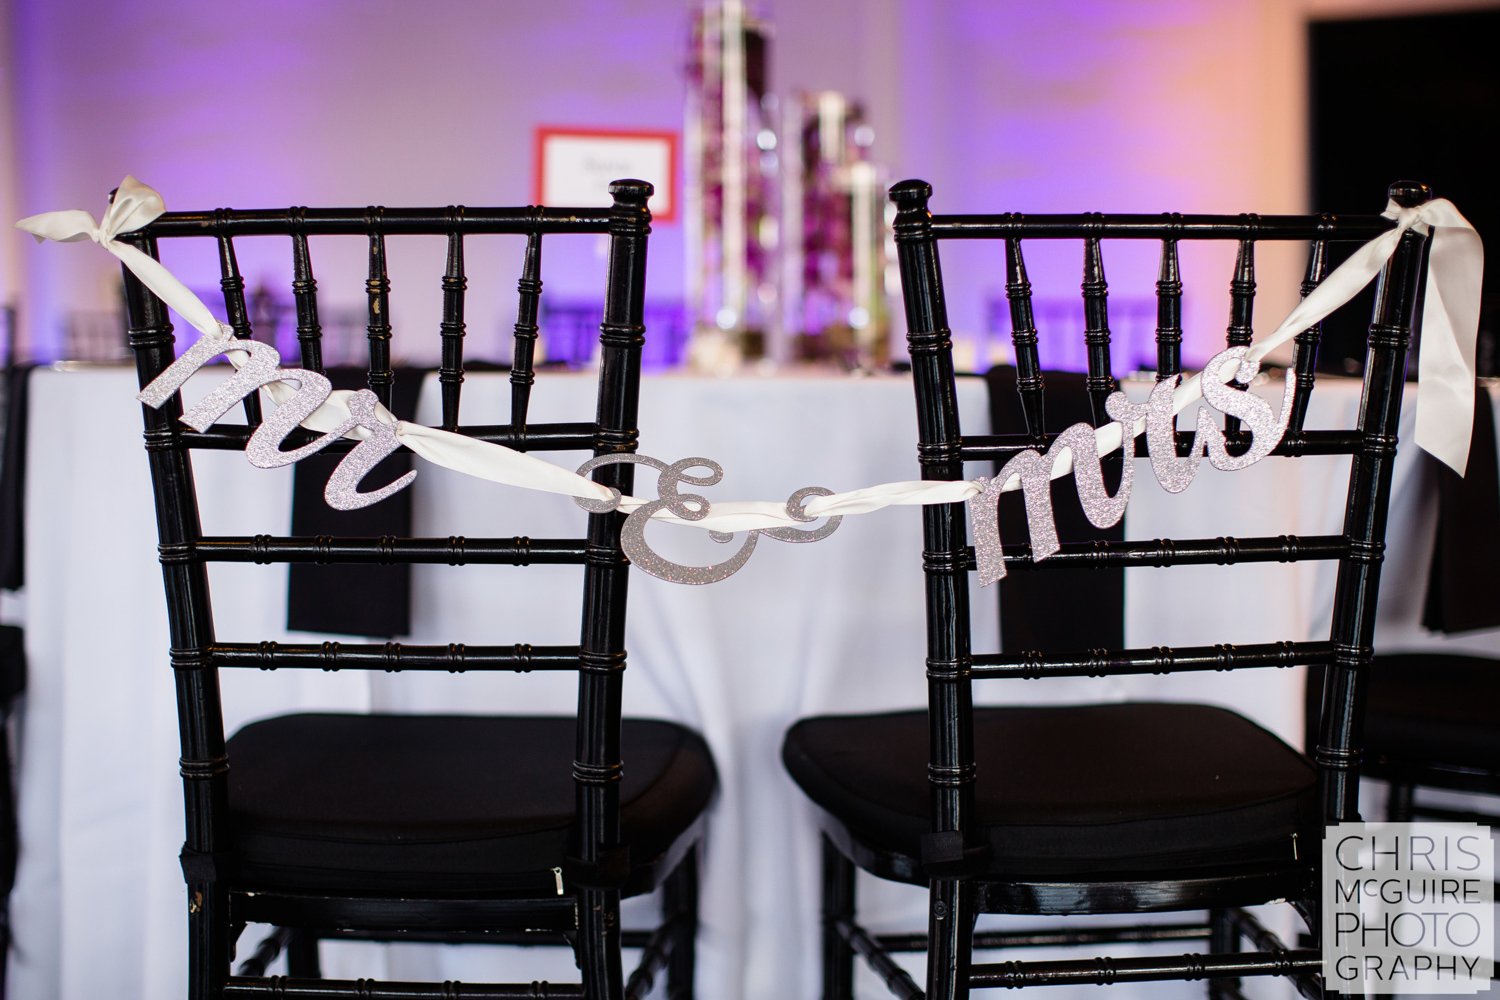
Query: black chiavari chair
{"points": [[407, 827], [12, 687], [12, 639], [1121, 807], [1430, 714]]}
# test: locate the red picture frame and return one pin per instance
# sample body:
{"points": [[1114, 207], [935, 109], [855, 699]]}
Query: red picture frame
{"points": [[619, 143]]}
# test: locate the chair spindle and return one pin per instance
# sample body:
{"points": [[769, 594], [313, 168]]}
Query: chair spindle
{"points": [[1099, 382], [1168, 313], [1241, 306], [1029, 380], [378, 289], [522, 375], [451, 371], [1305, 345], [305, 297], [233, 285], [1242, 296]]}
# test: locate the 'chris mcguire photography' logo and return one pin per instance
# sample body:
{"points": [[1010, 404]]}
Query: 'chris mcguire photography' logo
{"points": [[1408, 908]]}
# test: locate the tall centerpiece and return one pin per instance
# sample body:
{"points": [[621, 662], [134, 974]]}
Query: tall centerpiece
{"points": [[834, 290], [732, 232]]}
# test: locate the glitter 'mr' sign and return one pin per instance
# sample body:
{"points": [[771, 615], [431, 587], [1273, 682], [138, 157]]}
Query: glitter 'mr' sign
{"points": [[263, 367]]}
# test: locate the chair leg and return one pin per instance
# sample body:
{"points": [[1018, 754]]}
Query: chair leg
{"points": [[210, 948], [838, 904], [302, 956], [1223, 939], [950, 939], [1399, 802], [599, 944], [680, 900]]}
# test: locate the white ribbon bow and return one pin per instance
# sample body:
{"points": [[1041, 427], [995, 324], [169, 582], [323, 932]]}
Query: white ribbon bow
{"points": [[1450, 327], [134, 205], [1450, 320]]}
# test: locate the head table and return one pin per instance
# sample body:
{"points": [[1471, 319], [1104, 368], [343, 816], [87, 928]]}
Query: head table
{"points": [[837, 626]]}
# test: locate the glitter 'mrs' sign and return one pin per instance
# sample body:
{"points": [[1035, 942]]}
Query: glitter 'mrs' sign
{"points": [[1035, 468]]}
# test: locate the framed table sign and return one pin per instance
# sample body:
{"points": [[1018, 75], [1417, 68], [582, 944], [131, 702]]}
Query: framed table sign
{"points": [[575, 165]]}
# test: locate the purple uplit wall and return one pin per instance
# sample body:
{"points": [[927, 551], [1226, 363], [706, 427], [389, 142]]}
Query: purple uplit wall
{"points": [[285, 102], [1072, 105], [1094, 105], [10, 248]]}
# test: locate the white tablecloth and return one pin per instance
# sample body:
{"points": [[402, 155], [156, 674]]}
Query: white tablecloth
{"points": [[835, 626]]}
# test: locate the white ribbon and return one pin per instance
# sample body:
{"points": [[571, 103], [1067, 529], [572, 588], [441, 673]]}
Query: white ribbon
{"points": [[1445, 391], [1450, 324]]}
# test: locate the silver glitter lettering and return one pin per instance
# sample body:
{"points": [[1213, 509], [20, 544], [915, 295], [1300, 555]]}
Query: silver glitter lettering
{"points": [[794, 509], [694, 507], [262, 367], [1035, 471], [342, 491], [196, 356], [1174, 473], [264, 447], [1266, 428]]}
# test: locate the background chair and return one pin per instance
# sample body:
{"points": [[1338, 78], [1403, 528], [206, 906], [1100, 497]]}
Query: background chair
{"points": [[13, 383], [12, 686], [1430, 723], [394, 827], [1430, 716], [1107, 808]]}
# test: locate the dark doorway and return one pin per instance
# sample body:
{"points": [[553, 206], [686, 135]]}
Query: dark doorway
{"points": [[1398, 98]]}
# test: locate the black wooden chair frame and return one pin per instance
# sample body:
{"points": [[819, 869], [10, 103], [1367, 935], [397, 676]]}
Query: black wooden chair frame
{"points": [[602, 872], [958, 886], [12, 689]]}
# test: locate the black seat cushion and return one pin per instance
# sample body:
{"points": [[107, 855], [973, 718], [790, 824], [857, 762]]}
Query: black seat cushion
{"points": [[441, 803], [1070, 791], [1434, 708]]}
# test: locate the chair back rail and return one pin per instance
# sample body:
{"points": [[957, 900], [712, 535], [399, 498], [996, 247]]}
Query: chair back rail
{"points": [[453, 658], [942, 448], [533, 437], [390, 549]]}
